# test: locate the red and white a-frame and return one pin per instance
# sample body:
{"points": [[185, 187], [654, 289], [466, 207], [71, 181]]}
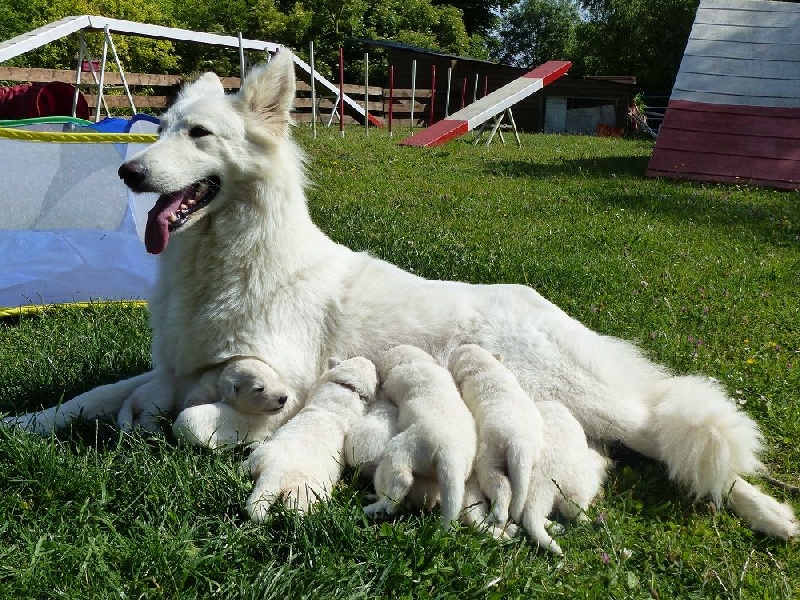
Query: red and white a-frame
{"points": [[491, 105]]}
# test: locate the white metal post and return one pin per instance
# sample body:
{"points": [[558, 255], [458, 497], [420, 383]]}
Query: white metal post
{"points": [[413, 88], [447, 98], [313, 91], [102, 76], [242, 66], [81, 48], [121, 72], [366, 93]]}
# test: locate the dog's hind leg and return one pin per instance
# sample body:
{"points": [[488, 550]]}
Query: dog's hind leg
{"points": [[534, 517], [762, 512], [102, 401], [393, 481]]}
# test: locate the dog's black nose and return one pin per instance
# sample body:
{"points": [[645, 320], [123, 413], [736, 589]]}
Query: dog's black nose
{"points": [[132, 173], [282, 400]]}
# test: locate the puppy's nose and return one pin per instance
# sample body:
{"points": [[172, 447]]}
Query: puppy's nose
{"points": [[282, 400], [132, 173]]}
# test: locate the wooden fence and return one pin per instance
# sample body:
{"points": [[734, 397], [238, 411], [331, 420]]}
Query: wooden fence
{"points": [[155, 93]]}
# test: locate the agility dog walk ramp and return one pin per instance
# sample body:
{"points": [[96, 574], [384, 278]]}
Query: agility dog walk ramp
{"points": [[491, 105]]}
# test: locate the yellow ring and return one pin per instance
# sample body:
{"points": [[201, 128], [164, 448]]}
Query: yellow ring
{"points": [[77, 138]]}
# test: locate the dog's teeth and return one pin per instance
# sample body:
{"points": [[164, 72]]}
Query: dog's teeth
{"points": [[183, 207], [172, 217], [191, 202]]}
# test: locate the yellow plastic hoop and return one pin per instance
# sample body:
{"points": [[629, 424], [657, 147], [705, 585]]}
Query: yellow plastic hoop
{"points": [[77, 138]]}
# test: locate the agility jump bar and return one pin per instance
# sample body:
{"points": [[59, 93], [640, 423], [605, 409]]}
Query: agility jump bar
{"points": [[473, 116]]}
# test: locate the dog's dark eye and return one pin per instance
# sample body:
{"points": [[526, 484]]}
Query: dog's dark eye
{"points": [[197, 131], [260, 390]]}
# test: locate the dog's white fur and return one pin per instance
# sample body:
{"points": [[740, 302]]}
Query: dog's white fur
{"points": [[251, 274], [304, 459], [566, 478], [365, 446], [247, 383], [509, 428], [436, 436]]}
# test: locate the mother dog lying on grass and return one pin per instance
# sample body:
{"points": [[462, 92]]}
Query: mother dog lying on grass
{"points": [[245, 272]]}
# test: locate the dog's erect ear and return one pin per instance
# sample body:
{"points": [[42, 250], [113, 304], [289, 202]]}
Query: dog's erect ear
{"points": [[333, 362], [207, 83], [268, 90]]}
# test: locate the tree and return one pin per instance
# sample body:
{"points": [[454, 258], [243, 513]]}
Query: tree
{"points": [[535, 31], [645, 38]]}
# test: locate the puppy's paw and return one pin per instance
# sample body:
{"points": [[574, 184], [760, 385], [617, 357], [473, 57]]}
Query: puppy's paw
{"points": [[383, 506]]}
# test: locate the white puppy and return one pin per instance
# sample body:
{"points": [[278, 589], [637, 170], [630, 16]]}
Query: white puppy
{"points": [[369, 436], [248, 384], [509, 429], [437, 433], [567, 476], [305, 457]]}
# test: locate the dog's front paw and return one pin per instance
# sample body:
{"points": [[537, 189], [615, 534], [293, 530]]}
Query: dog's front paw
{"points": [[383, 506]]}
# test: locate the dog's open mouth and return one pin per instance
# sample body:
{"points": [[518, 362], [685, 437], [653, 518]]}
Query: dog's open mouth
{"points": [[173, 211]]}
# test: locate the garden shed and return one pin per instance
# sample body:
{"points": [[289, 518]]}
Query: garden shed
{"points": [[734, 112]]}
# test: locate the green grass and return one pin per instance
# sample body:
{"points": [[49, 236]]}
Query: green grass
{"points": [[703, 277]]}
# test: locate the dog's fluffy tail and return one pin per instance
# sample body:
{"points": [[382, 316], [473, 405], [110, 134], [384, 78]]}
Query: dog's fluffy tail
{"points": [[703, 437], [520, 459]]}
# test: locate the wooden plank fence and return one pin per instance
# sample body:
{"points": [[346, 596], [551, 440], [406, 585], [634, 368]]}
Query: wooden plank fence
{"points": [[155, 93]]}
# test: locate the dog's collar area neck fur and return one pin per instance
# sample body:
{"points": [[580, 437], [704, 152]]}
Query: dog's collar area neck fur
{"points": [[352, 388]]}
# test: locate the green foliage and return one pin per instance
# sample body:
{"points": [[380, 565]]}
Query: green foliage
{"points": [[702, 276], [535, 31], [645, 38]]}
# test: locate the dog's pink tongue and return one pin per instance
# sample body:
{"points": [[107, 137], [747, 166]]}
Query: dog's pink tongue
{"points": [[156, 233]]}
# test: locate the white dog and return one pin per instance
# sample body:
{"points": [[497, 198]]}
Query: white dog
{"points": [[246, 383], [566, 478], [305, 458], [245, 271], [509, 428], [436, 436]]}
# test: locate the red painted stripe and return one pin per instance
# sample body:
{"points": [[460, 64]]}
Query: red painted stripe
{"points": [[716, 167], [438, 133], [758, 122], [549, 71], [714, 142], [729, 143], [734, 109], [374, 120]]}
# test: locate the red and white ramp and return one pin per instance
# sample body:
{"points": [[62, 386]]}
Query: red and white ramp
{"points": [[477, 113]]}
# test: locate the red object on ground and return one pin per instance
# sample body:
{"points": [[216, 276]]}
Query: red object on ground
{"points": [[30, 100]]}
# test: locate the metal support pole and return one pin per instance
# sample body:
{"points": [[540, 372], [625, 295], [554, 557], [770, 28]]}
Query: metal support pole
{"points": [[447, 98], [475, 89], [242, 66], [433, 94], [391, 96], [413, 89], [366, 93], [121, 72], [102, 76], [81, 48], [313, 92], [341, 91]]}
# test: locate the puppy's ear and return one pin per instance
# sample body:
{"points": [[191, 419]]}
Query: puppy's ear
{"points": [[268, 90], [498, 357], [206, 84], [333, 362]]}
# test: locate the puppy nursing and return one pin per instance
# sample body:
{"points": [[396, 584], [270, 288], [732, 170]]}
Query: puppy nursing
{"points": [[304, 458], [436, 436]]}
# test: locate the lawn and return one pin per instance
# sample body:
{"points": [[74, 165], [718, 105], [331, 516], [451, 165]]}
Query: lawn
{"points": [[705, 278]]}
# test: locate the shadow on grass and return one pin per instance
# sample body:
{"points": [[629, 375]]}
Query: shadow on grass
{"points": [[727, 207]]}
